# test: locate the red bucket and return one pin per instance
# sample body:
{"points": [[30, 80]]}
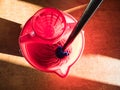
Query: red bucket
{"points": [[47, 29]]}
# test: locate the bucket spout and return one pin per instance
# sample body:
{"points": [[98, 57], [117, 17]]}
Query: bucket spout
{"points": [[63, 71]]}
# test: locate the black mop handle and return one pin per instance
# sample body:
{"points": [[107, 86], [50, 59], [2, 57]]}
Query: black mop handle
{"points": [[92, 6]]}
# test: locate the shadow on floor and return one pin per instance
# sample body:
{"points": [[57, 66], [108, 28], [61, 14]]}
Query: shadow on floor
{"points": [[102, 32], [9, 32], [60, 4], [15, 77]]}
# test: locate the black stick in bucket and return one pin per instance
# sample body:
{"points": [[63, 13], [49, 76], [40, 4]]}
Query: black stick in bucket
{"points": [[91, 8]]}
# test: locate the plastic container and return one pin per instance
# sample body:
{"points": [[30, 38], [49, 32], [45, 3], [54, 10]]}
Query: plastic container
{"points": [[43, 33]]}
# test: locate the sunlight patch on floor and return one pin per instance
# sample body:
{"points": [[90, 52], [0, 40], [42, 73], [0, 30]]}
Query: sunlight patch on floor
{"points": [[17, 11], [14, 60], [92, 67], [75, 8], [98, 68]]}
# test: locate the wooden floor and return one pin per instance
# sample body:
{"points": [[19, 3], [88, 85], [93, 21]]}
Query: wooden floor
{"points": [[97, 69]]}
